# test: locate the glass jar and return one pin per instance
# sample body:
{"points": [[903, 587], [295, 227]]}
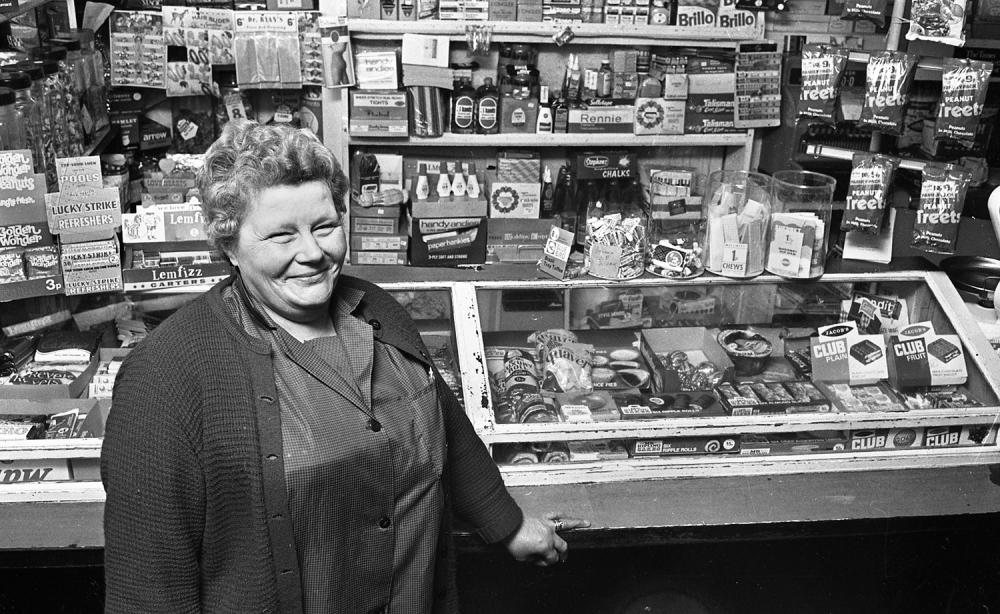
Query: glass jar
{"points": [[11, 122], [20, 83], [97, 93], [52, 98], [615, 246], [64, 101], [44, 138], [77, 73], [800, 223], [737, 207]]}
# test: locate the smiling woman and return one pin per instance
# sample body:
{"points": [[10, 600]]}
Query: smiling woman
{"points": [[284, 443]]}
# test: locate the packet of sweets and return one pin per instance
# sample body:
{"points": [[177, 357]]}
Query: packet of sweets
{"points": [[887, 84], [942, 195], [822, 67], [941, 21], [963, 94], [866, 10], [869, 189]]}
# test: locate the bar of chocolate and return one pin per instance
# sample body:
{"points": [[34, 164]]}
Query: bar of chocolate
{"points": [[866, 352], [944, 350]]}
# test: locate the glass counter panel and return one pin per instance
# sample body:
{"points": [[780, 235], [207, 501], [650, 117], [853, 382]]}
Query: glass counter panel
{"points": [[646, 352], [432, 312]]}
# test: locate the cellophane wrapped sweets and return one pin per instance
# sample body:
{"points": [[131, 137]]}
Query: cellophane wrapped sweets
{"points": [[822, 67], [963, 94], [941, 21], [874, 11], [869, 189], [889, 76], [942, 195]]}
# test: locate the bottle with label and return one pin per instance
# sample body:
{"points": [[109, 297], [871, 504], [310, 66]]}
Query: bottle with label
{"points": [[560, 116], [488, 108], [472, 183], [605, 80], [584, 202], [458, 185], [423, 189], [548, 194], [463, 108], [443, 184], [564, 204], [571, 82], [544, 122]]}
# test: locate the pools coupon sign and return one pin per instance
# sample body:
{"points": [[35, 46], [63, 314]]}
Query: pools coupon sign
{"points": [[83, 210]]}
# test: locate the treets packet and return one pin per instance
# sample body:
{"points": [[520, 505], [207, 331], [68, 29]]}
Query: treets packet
{"points": [[888, 80], [942, 195], [874, 11], [822, 67], [869, 189], [963, 93], [941, 21]]}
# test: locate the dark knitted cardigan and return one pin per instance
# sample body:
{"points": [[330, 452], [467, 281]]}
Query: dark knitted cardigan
{"points": [[196, 518]]}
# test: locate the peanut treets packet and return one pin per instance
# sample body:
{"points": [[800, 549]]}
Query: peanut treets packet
{"points": [[963, 93], [888, 80], [822, 68], [942, 196], [869, 189]]}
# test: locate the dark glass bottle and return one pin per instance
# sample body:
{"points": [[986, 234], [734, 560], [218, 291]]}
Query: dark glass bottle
{"points": [[463, 108], [488, 108]]}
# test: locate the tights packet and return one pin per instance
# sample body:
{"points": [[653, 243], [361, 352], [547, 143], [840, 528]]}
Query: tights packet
{"points": [[942, 195], [963, 93], [869, 189], [941, 21], [888, 80], [822, 68]]}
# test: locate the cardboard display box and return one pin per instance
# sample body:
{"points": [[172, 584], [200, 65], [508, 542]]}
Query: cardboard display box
{"points": [[517, 240], [363, 257], [378, 113], [696, 341], [677, 446], [55, 391], [447, 241]]}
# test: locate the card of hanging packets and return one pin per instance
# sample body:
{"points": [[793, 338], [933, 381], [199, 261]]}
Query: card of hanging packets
{"points": [[267, 50], [196, 39], [26, 249], [941, 21], [758, 85], [91, 267], [138, 50], [83, 209], [310, 47]]}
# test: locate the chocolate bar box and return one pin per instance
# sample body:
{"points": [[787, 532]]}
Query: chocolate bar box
{"points": [[866, 352]]}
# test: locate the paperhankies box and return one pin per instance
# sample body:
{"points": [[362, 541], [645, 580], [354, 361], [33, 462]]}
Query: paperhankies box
{"points": [[447, 241]]}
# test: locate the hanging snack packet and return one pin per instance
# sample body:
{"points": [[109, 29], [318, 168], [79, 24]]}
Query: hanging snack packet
{"points": [[866, 10], [963, 94], [889, 76], [822, 67], [942, 195], [866, 197], [941, 21]]}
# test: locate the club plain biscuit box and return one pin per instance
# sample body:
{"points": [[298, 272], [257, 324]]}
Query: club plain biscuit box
{"points": [[841, 354], [920, 357]]}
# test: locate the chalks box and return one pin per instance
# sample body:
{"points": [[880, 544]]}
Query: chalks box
{"points": [[920, 357], [840, 354]]}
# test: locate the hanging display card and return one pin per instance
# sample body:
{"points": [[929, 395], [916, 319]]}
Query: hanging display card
{"points": [[196, 39], [758, 85], [138, 50], [91, 267], [22, 204], [310, 48], [337, 53], [267, 50], [83, 213], [556, 254]]}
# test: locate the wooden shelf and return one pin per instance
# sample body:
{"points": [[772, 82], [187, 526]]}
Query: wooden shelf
{"points": [[543, 32], [562, 140]]}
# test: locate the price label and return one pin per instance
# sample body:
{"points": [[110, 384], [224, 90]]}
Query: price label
{"points": [[734, 259], [556, 254], [785, 254]]}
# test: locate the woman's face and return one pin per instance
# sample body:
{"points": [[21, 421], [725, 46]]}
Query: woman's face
{"points": [[290, 250]]}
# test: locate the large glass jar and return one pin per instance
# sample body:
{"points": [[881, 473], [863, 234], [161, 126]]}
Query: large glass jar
{"points": [[97, 95], [40, 138], [617, 222], [77, 74], [53, 99], [737, 207], [11, 122], [62, 94], [800, 223], [29, 112]]}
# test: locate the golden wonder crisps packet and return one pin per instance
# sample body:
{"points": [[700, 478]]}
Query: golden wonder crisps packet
{"points": [[822, 67], [941, 21], [963, 94], [869, 189], [942, 195], [889, 76]]}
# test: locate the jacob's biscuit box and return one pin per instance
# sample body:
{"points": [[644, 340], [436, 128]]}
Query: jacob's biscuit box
{"points": [[839, 353], [920, 357]]}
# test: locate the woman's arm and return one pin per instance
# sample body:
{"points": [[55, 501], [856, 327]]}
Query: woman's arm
{"points": [[154, 512]]}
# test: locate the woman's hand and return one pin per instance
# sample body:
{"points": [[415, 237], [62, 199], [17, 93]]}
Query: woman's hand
{"points": [[537, 540]]}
